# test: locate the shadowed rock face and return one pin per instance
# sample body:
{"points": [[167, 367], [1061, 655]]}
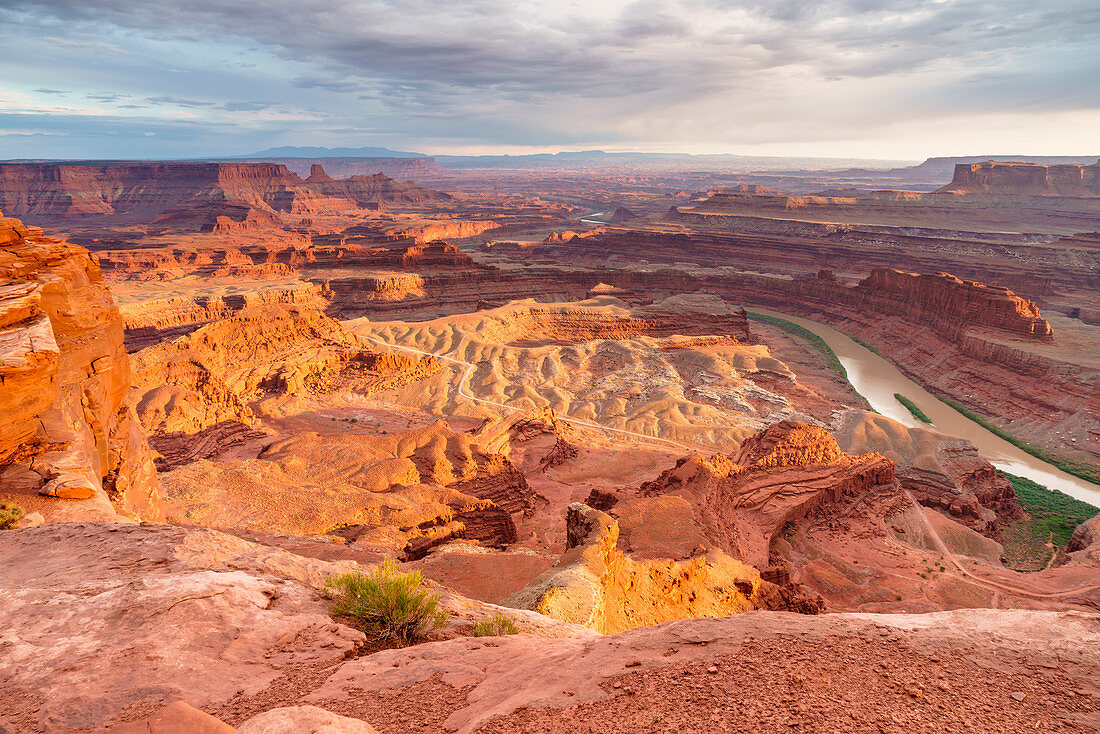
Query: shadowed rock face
{"points": [[67, 431]]}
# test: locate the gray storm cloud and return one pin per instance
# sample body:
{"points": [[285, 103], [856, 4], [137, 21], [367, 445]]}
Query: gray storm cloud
{"points": [[553, 72]]}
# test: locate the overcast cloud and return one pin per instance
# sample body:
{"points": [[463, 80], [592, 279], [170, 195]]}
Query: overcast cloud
{"points": [[882, 78]]}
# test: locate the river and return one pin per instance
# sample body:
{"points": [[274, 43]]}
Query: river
{"points": [[877, 380]]}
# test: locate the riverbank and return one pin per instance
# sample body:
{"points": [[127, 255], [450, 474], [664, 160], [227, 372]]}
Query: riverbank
{"points": [[877, 380]]}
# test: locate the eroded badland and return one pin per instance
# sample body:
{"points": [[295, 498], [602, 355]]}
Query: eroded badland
{"points": [[574, 398]]}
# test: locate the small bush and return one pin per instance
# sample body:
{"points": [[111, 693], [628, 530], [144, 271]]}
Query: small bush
{"points": [[495, 626], [9, 515], [391, 605]]}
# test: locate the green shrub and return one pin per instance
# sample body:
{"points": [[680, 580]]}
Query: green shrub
{"points": [[1054, 514], [495, 626], [912, 408], [9, 515], [388, 604]]}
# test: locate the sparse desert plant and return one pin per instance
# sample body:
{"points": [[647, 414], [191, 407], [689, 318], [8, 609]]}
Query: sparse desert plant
{"points": [[9, 515], [390, 605], [495, 626]]}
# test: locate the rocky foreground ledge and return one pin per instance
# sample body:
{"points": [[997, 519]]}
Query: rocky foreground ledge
{"points": [[153, 628]]}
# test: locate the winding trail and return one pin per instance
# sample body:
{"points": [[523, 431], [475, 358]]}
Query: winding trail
{"points": [[983, 581], [464, 392]]}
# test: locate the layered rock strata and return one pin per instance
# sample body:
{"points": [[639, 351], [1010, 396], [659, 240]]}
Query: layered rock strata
{"points": [[67, 431], [1031, 179], [171, 194], [778, 476], [213, 374]]}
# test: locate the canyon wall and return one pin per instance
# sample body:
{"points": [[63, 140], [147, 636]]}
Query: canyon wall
{"points": [[67, 431], [170, 194], [949, 305]]}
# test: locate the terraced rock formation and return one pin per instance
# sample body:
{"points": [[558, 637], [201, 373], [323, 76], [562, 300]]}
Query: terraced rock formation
{"points": [[212, 375], [406, 493]]}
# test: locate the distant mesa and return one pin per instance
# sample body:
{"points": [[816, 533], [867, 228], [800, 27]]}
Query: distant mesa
{"points": [[402, 169], [981, 198], [1031, 179]]}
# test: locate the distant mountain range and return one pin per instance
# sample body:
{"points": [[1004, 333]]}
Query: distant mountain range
{"points": [[575, 159], [293, 151]]}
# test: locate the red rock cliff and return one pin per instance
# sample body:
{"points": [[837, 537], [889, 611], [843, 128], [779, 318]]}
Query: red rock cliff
{"points": [[950, 304], [148, 191], [64, 372]]}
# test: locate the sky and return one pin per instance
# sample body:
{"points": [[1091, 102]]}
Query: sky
{"points": [[895, 79]]}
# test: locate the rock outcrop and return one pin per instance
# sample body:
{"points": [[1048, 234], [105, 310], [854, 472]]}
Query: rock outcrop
{"points": [[777, 477], [950, 305], [67, 431], [947, 474], [150, 321], [407, 492], [750, 672], [1086, 540], [109, 623], [212, 375], [596, 585]]}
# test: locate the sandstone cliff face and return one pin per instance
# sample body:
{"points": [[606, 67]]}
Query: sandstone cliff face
{"points": [[951, 305], [67, 431], [1029, 179]]}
